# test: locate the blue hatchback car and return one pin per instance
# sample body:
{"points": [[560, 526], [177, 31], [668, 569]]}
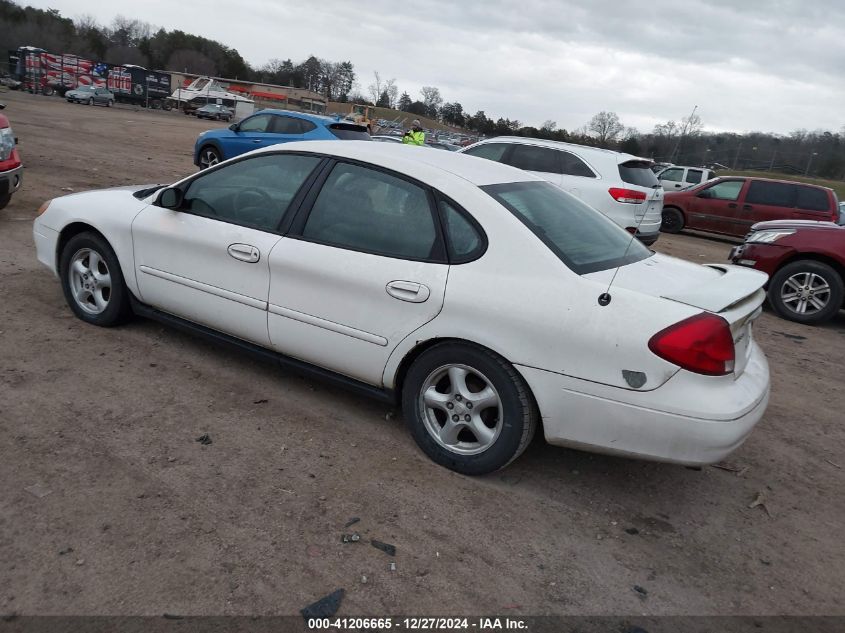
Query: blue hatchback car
{"points": [[269, 127]]}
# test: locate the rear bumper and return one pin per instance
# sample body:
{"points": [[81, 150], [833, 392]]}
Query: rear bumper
{"points": [[11, 180], [691, 420], [647, 238]]}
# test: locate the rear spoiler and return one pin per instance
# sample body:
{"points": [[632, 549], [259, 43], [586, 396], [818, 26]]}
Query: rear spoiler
{"points": [[735, 284]]}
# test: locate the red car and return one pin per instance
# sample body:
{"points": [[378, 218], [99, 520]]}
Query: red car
{"points": [[11, 170], [806, 265], [730, 205]]}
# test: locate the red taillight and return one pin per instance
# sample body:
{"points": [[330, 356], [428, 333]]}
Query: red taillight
{"points": [[627, 195], [702, 344]]}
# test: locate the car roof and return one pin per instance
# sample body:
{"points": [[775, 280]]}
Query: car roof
{"points": [[620, 157], [780, 180], [317, 118], [413, 161]]}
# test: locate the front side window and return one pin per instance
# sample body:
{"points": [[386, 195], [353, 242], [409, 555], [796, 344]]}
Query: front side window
{"points": [[260, 123], [584, 239], [533, 158], [367, 210], [694, 176], [812, 199], [774, 194], [254, 192], [725, 190], [673, 175], [490, 151]]}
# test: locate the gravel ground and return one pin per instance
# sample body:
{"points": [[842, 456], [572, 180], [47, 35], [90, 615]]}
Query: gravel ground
{"points": [[110, 506]]}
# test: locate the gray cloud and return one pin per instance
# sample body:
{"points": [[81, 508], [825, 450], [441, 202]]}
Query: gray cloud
{"points": [[773, 66]]}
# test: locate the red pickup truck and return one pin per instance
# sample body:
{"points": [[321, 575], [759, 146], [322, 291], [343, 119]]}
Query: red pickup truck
{"points": [[730, 205], [11, 170]]}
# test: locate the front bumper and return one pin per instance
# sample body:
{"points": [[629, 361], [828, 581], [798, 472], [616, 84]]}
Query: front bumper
{"points": [[691, 419], [46, 245], [11, 180]]}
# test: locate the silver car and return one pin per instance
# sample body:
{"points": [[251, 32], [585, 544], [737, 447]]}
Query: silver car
{"points": [[90, 95]]}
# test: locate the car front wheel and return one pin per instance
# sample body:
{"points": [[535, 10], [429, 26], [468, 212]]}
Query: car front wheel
{"points": [[467, 408], [92, 281], [806, 291]]}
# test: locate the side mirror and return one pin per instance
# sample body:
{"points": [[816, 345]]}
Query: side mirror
{"points": [[706, 194], [234, 127], [171, 198], [2, 106]]}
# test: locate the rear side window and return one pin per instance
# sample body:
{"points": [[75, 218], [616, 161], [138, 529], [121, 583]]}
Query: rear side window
{"points": [[773, 194], [370, 211], [571, 165], [490, 151], [584, 239], [286, 125], [306, 126], [812, 199], [694, 176], [349, 132], [638, 172], [463, 239], [533, 158]]}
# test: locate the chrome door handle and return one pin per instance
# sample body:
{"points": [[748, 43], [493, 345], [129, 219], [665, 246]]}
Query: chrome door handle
{"points": [[408, 291], [244, 252], [256, 140]]}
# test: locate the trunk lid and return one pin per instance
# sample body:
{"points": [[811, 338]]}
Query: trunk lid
{"points": [[733, 292]]}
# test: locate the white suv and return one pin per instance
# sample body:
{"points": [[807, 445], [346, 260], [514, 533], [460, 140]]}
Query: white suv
{"points": [[621, 186]]}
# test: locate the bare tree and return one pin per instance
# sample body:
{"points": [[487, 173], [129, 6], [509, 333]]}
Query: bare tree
{"points": [[549, 125], [606, 127], [376, 88], [432, 100], [392, 93]]}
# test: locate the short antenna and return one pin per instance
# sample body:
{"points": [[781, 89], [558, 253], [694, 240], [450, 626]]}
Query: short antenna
{"points": [[604, 298]]}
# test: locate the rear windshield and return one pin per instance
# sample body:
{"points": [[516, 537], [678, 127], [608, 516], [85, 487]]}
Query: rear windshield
{"points": [[349, 132], [584, 239], [638, 173]]}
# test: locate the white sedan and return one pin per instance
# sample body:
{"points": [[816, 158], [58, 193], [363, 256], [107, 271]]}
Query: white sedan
{"points": [[484, 299]]}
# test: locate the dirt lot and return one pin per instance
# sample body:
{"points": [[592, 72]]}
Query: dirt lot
{"points": [[139, 518]]}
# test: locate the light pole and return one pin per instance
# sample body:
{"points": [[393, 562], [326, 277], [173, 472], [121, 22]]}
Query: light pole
{"points": [[810, 162]]}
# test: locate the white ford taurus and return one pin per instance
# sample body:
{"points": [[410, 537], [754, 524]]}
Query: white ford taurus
{"points": [[485, 299]]}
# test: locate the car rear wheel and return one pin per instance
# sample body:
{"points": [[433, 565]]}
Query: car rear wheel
{"points": [[467, 408], [92, 281], [90, 101], [673, 221], [209, 157], [4, 200], [806, 291]]}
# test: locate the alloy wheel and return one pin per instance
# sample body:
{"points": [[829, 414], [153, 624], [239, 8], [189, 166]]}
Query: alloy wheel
{"points": [[461, 409], [805, 293], [208, 158], [90, 281]]}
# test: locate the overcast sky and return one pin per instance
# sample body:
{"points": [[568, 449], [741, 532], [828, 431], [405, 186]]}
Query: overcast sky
{"points": [[767, 65]]}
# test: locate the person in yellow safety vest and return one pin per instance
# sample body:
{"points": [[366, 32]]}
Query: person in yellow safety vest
{"points": [[414, 136]]}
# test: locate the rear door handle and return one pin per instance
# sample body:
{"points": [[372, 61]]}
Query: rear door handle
{"points": [[731, 205], [244, 252], [747, 207], [256, 140], [408, 291]]}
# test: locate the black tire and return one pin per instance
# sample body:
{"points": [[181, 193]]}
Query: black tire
{"points": [[4, 200], [117, 309], [800, 273], [90, 101], [109, 103], [205, 154], [673, 220], [519, 412]]}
